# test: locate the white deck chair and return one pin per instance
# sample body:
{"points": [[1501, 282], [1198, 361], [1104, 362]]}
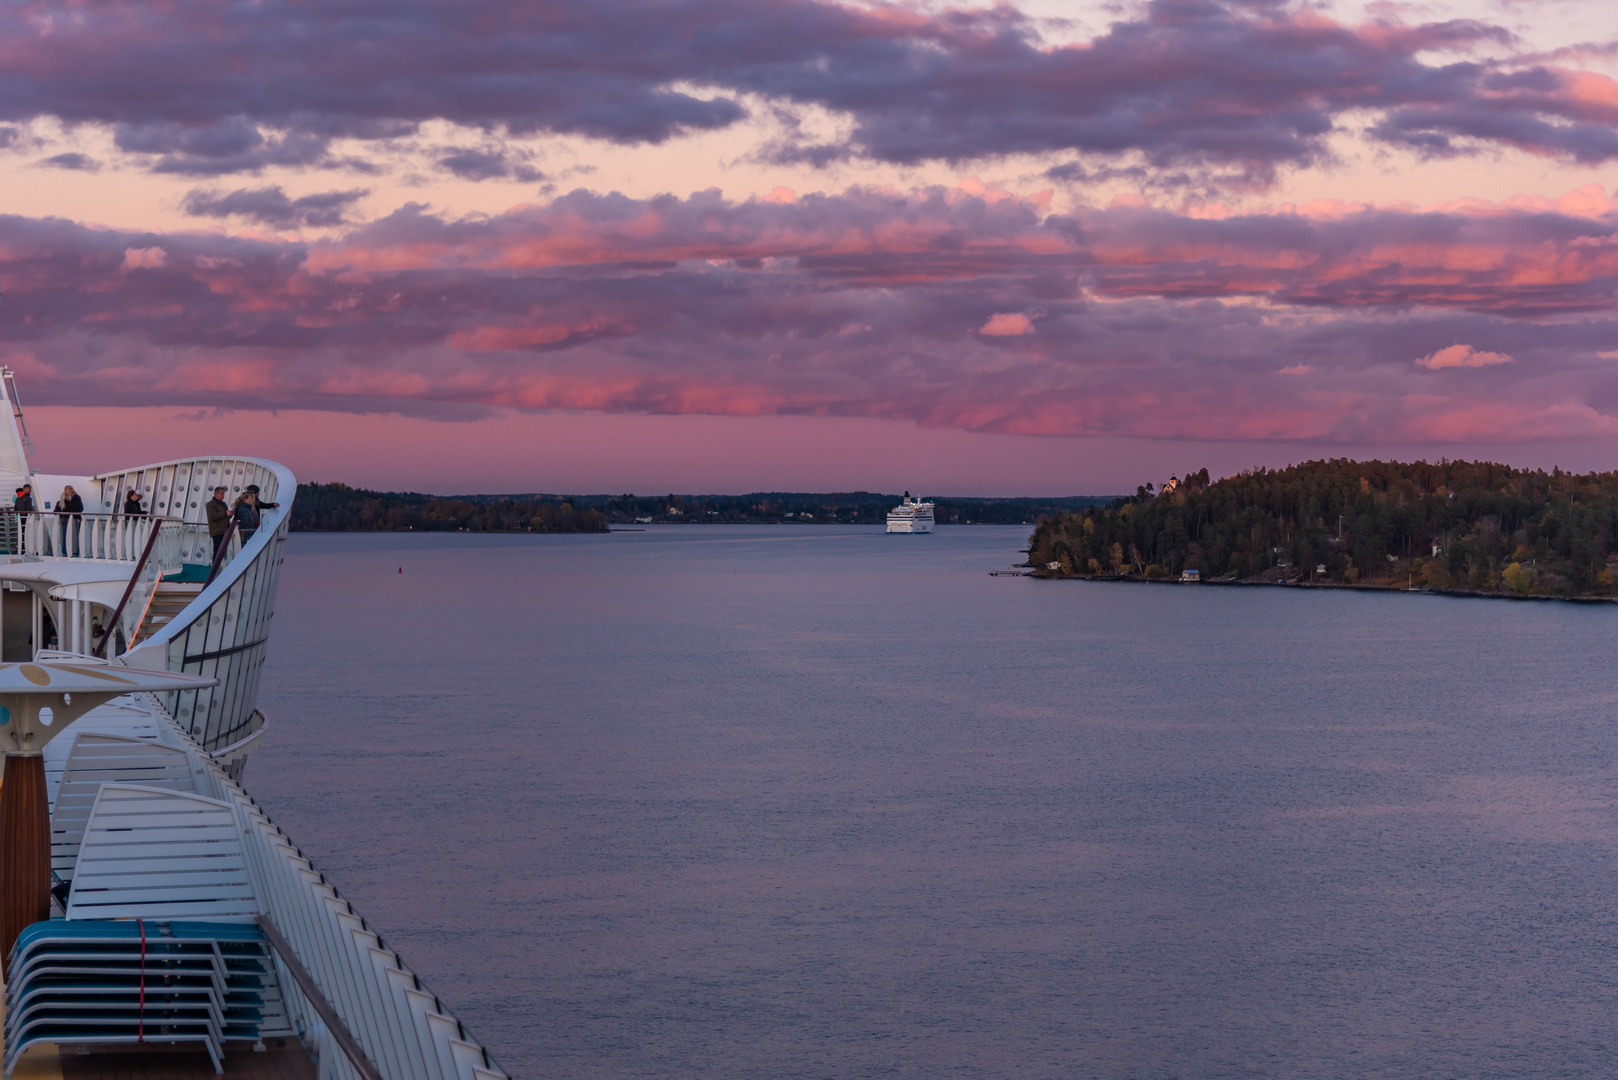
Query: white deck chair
{"points": [[154, 854], [96, 759]]}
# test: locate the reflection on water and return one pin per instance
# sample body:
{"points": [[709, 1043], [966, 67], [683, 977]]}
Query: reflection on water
{"points": [[818, 802]]}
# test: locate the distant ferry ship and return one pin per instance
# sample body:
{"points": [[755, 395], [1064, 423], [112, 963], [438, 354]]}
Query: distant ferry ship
{"points": [[911, 516]]}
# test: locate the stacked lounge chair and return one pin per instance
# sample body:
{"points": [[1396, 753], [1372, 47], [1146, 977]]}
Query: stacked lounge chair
{"points": [[159, 944], [139, 981]]}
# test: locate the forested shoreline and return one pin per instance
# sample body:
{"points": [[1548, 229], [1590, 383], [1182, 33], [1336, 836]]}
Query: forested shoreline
{"points": [[1476, 527], [340, 508], [337, 507]]}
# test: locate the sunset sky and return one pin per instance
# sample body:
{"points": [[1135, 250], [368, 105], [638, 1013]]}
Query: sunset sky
{"points": [[725, 245]]}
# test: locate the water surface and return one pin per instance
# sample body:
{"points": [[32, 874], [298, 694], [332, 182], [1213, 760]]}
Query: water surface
{"points": [[817, 802]]}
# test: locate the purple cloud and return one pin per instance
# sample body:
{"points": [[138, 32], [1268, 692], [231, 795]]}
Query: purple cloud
{"points": [[239, 85], [72, 162], [487, 165], [271, 206], [941, 307]]}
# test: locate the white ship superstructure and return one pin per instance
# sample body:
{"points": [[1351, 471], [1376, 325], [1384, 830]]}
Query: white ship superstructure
{"points": [[150, 903], [911, 516]]}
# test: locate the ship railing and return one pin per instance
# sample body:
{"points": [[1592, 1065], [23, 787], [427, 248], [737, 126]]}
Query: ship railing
{"points": [[94, 537], [349, 996], [223, 632]]}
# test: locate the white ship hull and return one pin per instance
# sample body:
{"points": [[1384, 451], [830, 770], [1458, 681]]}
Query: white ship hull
{"points": [[909, 525], [911, 516]]}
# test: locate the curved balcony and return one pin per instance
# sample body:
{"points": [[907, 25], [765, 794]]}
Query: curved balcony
{"points": [[221, 631], [148, 588]]}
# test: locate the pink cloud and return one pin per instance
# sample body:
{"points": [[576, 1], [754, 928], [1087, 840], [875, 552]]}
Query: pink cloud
{"points": [[1456, 356], [1007, 325], [147, 258], [881, 305]]}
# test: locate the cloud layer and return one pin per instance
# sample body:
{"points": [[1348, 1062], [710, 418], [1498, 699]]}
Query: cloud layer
{"points": [[1458, 356], [237, 86], [952, 308]]}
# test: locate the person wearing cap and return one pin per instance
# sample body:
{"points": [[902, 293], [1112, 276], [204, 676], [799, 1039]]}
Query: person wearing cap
{"points": [[249, 512], [218, 519], [258, 501]]}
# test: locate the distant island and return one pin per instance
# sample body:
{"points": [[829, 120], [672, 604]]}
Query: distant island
{"points": [[1456, 526], [338, 507]]}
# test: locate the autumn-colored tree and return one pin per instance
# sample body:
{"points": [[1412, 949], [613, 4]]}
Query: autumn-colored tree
{"points": [[1518, 578], [1436, 575]]}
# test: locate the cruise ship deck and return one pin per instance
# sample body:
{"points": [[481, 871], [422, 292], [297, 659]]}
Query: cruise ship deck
{"points": [[157, 925], [45, 1061]]}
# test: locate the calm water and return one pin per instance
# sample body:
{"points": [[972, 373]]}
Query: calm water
{"points": [[816, 802]]}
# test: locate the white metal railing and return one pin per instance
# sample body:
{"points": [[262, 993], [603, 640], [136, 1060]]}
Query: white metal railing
{"points": [[224, 630], [195, 545], [400, 1029], [97, 537]]}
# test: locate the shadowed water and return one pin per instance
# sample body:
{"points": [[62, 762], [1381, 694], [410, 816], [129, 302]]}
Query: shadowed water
{"points": [[817, 802]]}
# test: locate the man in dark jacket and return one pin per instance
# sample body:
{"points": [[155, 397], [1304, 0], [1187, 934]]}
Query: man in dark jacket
{"points": [[218, 519], [68, 510], [23, 504], [132, 503]]}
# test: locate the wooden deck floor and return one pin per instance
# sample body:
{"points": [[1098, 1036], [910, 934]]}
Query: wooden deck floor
{"points": [[282, 1059], [289, 1062]]}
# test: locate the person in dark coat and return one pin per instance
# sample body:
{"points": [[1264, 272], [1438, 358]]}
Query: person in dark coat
{"points": [[258, 498], [132, 503], [247, 516], [68, 509], [250, 512], [218, 519], [23, 504]]}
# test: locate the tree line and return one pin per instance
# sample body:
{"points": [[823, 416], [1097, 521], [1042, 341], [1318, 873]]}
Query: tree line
{"points": [[339, 508], [843, 508], [1472, 526]]}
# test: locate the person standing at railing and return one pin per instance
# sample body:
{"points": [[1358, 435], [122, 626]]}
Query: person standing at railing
{"points": [[218, 520], [132, 504], [247, 515], [68, 510], [23, 505], [258, 507]]}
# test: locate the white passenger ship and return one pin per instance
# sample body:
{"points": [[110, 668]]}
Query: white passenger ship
{"points": [[911, 516], [148, 903]]}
